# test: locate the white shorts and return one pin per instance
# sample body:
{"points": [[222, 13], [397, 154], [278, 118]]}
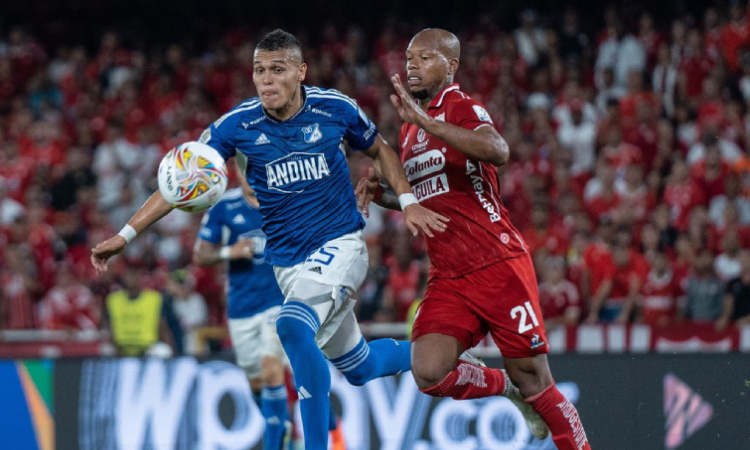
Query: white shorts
{"points": [[326, 281], [254, 338]]}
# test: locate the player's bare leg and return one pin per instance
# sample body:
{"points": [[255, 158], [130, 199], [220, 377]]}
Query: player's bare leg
{"points": [[534, 380], [442, 369]]}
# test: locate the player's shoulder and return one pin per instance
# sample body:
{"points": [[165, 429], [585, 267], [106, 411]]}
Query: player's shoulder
{"points": [[457, 103], [453, 97], [248, 110], [329, 99]]}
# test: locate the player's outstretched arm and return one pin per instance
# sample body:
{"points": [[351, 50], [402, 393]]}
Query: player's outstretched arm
{"points": [[483, 144], [388, 167], [151, 212]]}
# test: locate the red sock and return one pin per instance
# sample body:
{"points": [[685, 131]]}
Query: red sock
{"points": [[469, 381], [562, 419]]}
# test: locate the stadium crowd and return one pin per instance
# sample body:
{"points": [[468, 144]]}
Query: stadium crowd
{"points": [[629, 174]]}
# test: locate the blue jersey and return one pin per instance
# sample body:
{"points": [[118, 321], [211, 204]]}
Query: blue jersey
{"points": [[298, 168], [252, 284]]}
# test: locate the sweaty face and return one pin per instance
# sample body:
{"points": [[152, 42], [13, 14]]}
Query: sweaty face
{"points": [[277, 76], [426, 70]]}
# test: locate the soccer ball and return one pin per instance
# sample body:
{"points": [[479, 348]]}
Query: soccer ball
{"points": [[192, 177]]}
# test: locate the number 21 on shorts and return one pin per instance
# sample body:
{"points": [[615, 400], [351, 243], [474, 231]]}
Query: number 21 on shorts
{"points": [[521, 312]]}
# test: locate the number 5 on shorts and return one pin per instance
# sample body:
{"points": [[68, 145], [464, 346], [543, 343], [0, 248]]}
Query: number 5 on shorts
{"points": [[523, 326]]}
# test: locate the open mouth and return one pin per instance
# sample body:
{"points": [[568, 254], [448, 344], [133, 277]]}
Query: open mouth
{"points": [[413, 80]]}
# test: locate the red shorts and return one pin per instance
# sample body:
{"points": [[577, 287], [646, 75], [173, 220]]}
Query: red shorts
{"points": [[502, 299]]}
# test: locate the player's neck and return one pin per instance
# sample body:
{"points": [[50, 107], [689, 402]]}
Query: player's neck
{"points": [[425, 103]]}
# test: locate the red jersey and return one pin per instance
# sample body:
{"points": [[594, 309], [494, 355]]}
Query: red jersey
{"points": [[557, 299], [660, 297], [597, 259], [623, 276], [462, 189]]}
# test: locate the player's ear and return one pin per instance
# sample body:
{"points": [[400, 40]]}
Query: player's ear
{"points": [[453, 67], [302, 72]]}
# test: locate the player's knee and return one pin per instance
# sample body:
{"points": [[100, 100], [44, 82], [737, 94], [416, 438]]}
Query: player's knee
{"points": [[430, 373], [359, 375], [295, 322], [272, 371], [290, 330]]}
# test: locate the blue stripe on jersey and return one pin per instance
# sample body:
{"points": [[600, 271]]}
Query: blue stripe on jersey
{"points": [[298, 168], [252, 283]]}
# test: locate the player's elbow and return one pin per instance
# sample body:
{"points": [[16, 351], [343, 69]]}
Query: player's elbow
{"points": [[498, 152]]}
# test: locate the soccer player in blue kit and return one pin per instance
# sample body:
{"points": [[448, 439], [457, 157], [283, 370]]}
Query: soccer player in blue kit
{"points": [[290, 143], [231, 232]]}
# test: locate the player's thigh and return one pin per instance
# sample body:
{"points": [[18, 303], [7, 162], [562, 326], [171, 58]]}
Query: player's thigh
{"points": [[246, 334], [444, 326], [327, 280], [270, 344], [344, 338], [433, 357], [506, 297]]}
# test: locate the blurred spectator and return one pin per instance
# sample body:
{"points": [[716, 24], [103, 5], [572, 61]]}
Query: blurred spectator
{"points": [[135, 314], [737, 303], [558, 297], [609, 93], [664, 79], [601, 198], [705, 291], [730, 152], [115, 161], [711, 173], [573, 41], [18, 283], [681, 194], [530, 39], [727, 264], [658, 303], [731, 195], [69, 305], [405, 274], [580, 137], [734, 35], [10, 209], [189, 307], [543, 235], [622, 53], [77, 176]]}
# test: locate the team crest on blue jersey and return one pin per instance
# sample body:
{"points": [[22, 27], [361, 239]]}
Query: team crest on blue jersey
{"points": [[293, 173], [312, 133]]}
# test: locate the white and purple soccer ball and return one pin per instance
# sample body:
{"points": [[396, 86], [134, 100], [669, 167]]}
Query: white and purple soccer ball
{"points": [[192, 177]]}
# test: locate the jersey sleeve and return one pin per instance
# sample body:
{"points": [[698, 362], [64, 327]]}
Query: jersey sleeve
{"points": [[220, 135], [468, 113], [211, 225], [360, 130]]}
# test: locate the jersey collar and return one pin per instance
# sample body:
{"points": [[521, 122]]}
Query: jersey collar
{"points": [[303, 91], [438, 100]]}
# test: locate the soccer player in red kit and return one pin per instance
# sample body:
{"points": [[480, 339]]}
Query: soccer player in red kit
{"points": [[481, 276]]}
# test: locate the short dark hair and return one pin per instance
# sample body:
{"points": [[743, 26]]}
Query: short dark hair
{"points": [[279, 39]]}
